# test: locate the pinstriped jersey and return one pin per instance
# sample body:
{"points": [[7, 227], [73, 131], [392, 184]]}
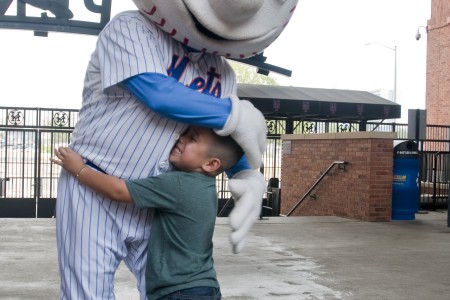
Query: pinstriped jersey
{"points": [[117, 132]]}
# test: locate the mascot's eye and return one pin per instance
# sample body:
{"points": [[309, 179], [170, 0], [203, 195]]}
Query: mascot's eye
{"points": [[205, 31]]}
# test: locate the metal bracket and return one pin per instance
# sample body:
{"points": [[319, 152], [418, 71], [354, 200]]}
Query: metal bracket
{"points": [[259, 61], [342, 166]]}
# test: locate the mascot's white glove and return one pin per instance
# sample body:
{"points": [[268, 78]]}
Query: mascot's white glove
{"points": [[247, 187], [247, 127]]}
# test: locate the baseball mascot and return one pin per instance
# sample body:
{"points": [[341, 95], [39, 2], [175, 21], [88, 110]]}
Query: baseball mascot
{"points": [[154, 71]]}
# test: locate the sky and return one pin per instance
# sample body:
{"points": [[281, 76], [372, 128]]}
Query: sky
{"points": [[324, 45]]}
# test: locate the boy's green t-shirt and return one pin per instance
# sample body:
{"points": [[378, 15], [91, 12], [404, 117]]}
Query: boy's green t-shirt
{"points": [[180, 249]]}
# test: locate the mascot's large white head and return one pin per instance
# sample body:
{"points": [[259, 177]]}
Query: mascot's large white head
{"points": [[232, 28]]}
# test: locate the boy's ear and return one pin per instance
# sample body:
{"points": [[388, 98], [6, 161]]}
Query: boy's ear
{"points": [[212, 165]]}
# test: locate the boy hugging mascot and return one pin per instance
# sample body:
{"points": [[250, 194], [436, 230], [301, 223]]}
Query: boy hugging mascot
{"points": [[153, 72]]}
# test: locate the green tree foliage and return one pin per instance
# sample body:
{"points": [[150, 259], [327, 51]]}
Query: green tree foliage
{"points": [[247, 74]]}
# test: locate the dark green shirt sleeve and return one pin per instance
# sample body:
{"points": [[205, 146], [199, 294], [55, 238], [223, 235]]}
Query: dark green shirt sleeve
{"points": [[160, 191]]}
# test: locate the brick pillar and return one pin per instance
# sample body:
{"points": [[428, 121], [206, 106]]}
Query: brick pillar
{"points": [[363, 191]]}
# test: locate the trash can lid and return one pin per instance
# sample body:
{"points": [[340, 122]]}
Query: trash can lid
{"points": [[406, 149]]}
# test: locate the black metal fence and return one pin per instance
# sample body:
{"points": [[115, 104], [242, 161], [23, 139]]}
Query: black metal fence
{"points": [[28, 136], [435, 169], [27, 139]]}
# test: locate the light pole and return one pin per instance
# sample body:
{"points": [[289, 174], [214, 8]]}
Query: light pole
{"points": [[394, 96]]}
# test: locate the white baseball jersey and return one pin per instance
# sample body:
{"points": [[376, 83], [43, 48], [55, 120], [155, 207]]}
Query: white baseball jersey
{"points": [[123, 138]]}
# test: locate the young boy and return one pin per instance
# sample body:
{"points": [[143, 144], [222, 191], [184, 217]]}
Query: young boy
{"points": [[179, 259]]}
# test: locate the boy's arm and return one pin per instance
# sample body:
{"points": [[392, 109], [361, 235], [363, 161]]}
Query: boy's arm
{"points": [[107, 185]]}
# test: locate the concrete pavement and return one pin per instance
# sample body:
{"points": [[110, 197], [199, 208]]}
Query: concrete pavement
{"points": [[285, 258]]}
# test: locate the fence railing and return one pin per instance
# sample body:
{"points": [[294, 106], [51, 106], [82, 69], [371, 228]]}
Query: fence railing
{"points": [[29, 135]]}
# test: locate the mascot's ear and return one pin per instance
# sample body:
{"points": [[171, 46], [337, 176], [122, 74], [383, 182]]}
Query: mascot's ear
{"points": [[231, 28]]}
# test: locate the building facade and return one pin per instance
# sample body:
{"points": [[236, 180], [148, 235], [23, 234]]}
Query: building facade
{"points": [[438, 64]]}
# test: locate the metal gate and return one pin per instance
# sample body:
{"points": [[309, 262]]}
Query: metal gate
{"points": [[27, 178]]}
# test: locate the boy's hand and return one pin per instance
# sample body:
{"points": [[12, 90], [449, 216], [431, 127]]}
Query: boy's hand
{"points": [[68, 159]]}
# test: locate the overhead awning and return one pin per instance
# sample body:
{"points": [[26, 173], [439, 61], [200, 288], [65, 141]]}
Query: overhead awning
{"points": [[300, 103]]}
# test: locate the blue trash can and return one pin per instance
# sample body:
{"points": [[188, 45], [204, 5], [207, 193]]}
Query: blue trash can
{"points": [[405, 187]]}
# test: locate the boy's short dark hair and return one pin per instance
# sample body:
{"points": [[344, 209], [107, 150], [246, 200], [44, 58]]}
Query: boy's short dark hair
{"points": [[227, 150]]}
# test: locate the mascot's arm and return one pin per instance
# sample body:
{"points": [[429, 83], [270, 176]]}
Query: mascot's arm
{"points": [[229, 116], [174, 101], [168, 97]]}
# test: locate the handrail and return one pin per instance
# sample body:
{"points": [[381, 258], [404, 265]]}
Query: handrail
{"points": [[227, 203], [341, 164], [225, 206]]}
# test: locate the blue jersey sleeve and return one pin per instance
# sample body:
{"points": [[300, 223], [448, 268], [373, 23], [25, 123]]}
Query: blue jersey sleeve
{"points": [[175, 101], [241, 165]]}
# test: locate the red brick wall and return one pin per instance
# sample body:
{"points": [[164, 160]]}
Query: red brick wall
{"points": [[438, 64], [363, 191]]}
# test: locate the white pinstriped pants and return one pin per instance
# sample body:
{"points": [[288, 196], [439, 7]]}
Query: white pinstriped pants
{"points": [[93, 236]]}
